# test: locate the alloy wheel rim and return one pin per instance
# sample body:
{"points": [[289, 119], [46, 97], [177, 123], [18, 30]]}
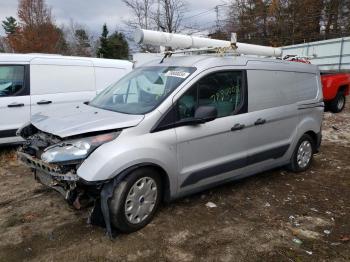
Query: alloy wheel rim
{"points": [[304, 154], [341, 102], [141, 200]]}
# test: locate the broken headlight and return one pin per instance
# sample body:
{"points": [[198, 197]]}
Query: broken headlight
{"points": [[77, 149]]}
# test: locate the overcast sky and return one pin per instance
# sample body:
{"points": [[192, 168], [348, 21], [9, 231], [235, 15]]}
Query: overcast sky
{"points": [[93, 13]]}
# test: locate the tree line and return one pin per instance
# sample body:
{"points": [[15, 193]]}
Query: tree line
{"points": [[36, 32], [265, 22], [286, 22]]}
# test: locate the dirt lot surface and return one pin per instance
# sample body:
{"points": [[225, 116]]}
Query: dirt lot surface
{"points": [[274, 216]]}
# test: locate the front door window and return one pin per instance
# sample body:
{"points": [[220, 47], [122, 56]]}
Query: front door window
{"points": [[222, 90]]}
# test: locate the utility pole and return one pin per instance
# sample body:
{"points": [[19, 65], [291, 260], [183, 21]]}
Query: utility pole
{"points": [[217, 17], [158, 15]]}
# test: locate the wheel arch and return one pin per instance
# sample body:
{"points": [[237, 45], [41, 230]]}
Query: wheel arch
{"points": [[102, 207], [316, 137], [311, 126], [344, 88], [166, 194], [312, 134]]}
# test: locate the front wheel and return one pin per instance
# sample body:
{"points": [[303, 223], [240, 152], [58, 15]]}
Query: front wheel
{"points": [[135, 200], [303, 154], [338, 103]]}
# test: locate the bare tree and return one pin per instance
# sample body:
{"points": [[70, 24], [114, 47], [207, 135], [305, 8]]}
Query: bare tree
{"points": [[79, 40], [4, 45], [165, 15], [34, 12], [170, 14], [142, 10]]}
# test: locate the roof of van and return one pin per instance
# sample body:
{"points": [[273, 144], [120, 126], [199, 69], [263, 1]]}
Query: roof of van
{"points": [[208, 61], [53, 59]]}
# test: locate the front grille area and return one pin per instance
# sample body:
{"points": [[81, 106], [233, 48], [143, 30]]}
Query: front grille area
{"points": [[52, 170]]}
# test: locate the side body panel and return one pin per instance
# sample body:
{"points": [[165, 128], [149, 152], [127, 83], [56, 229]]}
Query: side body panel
{"points": [[311, 111], [210, 152], [60, 82], [269, 92]]}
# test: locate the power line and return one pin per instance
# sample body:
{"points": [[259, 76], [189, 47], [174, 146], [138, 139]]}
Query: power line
{"points": [[205, 12]]}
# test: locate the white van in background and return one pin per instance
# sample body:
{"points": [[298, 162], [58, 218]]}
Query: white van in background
{"points": [[32, 83]]}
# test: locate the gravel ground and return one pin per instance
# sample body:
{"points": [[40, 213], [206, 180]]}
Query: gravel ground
{"points": [[274, 216]]}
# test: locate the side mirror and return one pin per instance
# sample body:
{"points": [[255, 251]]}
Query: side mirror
{"points": [[206, 113]]}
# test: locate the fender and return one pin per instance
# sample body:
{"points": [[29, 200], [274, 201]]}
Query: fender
{"points": [[115, 160], [111, 159], [309, 123]]}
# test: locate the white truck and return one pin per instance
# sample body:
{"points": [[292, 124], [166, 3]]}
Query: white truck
{"points": [[32, 83]]}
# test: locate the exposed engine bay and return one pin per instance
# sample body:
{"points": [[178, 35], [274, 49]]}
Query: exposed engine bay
{"points": [[58, 170]]}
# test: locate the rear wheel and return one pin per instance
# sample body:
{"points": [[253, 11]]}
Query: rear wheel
{"points": [[135, 200], [338, 103], [303, 154]]}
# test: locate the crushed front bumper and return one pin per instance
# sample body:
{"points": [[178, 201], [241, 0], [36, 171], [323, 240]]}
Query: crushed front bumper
{"points": [[49, 175]]}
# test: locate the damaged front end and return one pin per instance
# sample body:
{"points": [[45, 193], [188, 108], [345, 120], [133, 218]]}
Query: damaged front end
{"points": [[55, 161]]}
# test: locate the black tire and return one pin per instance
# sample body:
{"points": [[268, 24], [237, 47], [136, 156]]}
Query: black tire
{"points": [[117, 203], [338, 103], [294, 164]]}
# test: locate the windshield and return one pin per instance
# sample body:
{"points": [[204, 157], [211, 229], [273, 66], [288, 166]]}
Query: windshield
{"points": [[142, 90]]}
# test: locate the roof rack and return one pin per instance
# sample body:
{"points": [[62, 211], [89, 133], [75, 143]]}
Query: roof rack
{"points": [[297, 58], [188, 43]]}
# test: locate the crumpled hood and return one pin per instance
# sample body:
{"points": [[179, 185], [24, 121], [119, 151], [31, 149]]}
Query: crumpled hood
{"points": [[74, 119]]}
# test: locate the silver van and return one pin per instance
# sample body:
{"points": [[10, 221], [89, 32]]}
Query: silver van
{"points": [[173, 128]]}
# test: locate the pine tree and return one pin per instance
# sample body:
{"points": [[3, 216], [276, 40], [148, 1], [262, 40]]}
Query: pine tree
{"points": [[118, 47], [114, 46], [103, 50], [9, 25]]}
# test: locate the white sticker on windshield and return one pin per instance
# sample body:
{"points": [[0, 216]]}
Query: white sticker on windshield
{"points": [[180, 74]]}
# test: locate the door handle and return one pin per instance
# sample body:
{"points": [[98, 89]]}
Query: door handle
{"points": [[15, 105], [44, 102], [260, 121], [237, 127]]}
